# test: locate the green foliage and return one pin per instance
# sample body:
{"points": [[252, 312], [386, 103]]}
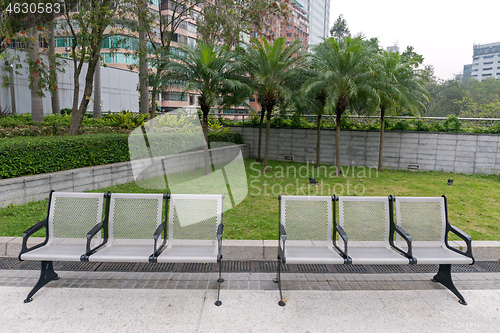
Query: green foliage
{"points": [[215, 126], [127, 119], [232, 137], [31, 156], [452, 124]]}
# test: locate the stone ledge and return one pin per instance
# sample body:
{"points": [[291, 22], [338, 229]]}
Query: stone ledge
{"points": [[261, 249]]}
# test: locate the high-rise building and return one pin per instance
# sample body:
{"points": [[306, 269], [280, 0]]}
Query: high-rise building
{"points": [[318, 14], [486, 61]]}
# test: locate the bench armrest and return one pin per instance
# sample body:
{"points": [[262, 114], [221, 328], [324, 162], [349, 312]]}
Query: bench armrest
{"points": [[406, 236], [88, 251], [28, 233], [462, 235], [345, 238], [156, 236], [220, 231], [281, 242]]}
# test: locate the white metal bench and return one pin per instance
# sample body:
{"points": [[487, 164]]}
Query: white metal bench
{"points": [[128, 229], [426, 219], [367, 234]]}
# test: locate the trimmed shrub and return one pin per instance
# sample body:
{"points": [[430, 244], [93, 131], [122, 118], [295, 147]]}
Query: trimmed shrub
{"points": [[31, 156]]}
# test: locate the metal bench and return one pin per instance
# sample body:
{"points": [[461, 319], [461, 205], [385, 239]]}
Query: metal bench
{"points": [[118, 227], [194, 231], [426, 219], [367, 233]]}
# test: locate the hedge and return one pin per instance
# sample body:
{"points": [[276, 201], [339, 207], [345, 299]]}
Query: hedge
{"points": [[22, 156]]}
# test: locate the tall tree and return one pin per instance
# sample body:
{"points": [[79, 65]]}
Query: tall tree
{"points": [[345, 72], [230, 20], [86, 22], [35, 82], [339, 29], [56, 107], [211, 71], [143, 27], [270, 67], [162, 37], [398, 87]]}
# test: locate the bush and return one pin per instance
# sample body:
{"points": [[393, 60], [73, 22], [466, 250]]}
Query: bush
{"points": [[232, 137], [31, 156]]}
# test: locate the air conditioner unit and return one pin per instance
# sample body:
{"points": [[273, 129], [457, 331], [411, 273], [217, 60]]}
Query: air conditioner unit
{"points": [[67, 49]]}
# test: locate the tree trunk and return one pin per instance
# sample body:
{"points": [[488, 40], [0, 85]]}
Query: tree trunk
{"points": [[318, 142], [36, 99], [381, 147], [56, 107], [337, 143], [268, 132], [204, 126], [143, 61], [259, 159], [77, 117], [97, 112]]}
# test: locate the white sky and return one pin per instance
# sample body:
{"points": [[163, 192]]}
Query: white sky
{"points": [[443, 31]]}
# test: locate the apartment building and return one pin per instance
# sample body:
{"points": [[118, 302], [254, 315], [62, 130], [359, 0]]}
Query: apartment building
{"points": [[318, 15], [486, 61]]}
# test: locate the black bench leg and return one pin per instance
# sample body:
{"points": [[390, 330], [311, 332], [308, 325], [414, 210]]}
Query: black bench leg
{"points": [[278, 280], [47, 274], [220, 280], [444, 277]]}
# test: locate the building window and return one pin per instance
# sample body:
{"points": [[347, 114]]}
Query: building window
{"points": [[487, 69], [488, 57], [487, 74], [488, 63]]}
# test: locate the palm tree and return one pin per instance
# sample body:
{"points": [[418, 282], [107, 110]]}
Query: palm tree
{"points": [[270, 69], [211, 71], [397, 85], [345, 73]]}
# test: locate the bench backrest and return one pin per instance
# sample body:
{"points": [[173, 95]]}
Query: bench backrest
{"points": [[193, 219], [306, 219], [134, 217], [365, 219], [72, 215], [424, 218]]}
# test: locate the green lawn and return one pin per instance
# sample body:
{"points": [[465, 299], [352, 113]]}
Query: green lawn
{"points": [[473, 200]]}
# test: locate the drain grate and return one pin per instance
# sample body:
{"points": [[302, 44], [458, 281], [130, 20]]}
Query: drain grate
{"points": [[463, 268], [118, 267], [8, 263], [425, 268], [236, 266], [159, 267], [387, 269], [196, 267], [31, 265], [271, 267], [350, 268], [489, 266], [77, 266], [312, 268]]}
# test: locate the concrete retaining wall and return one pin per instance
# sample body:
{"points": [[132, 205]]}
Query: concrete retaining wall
{"points": [[449, 152], [22, 190]]}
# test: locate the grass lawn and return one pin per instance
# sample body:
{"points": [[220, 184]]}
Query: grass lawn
{"points": [[473, 200]]}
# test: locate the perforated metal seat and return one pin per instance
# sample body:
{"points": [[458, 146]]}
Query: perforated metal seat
{"points": [[307, 223], [426, 220], [193, 224], [133, 220], [367, 223], [70, 216]]}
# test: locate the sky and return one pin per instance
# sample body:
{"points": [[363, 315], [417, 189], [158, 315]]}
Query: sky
{"points": [[443, 31]]}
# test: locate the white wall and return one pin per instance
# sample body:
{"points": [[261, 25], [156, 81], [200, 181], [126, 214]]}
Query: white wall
{"points": [[118, 91]]}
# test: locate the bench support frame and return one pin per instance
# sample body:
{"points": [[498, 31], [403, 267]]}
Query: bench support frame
{"points": [[444, 277], [47, 274]]}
